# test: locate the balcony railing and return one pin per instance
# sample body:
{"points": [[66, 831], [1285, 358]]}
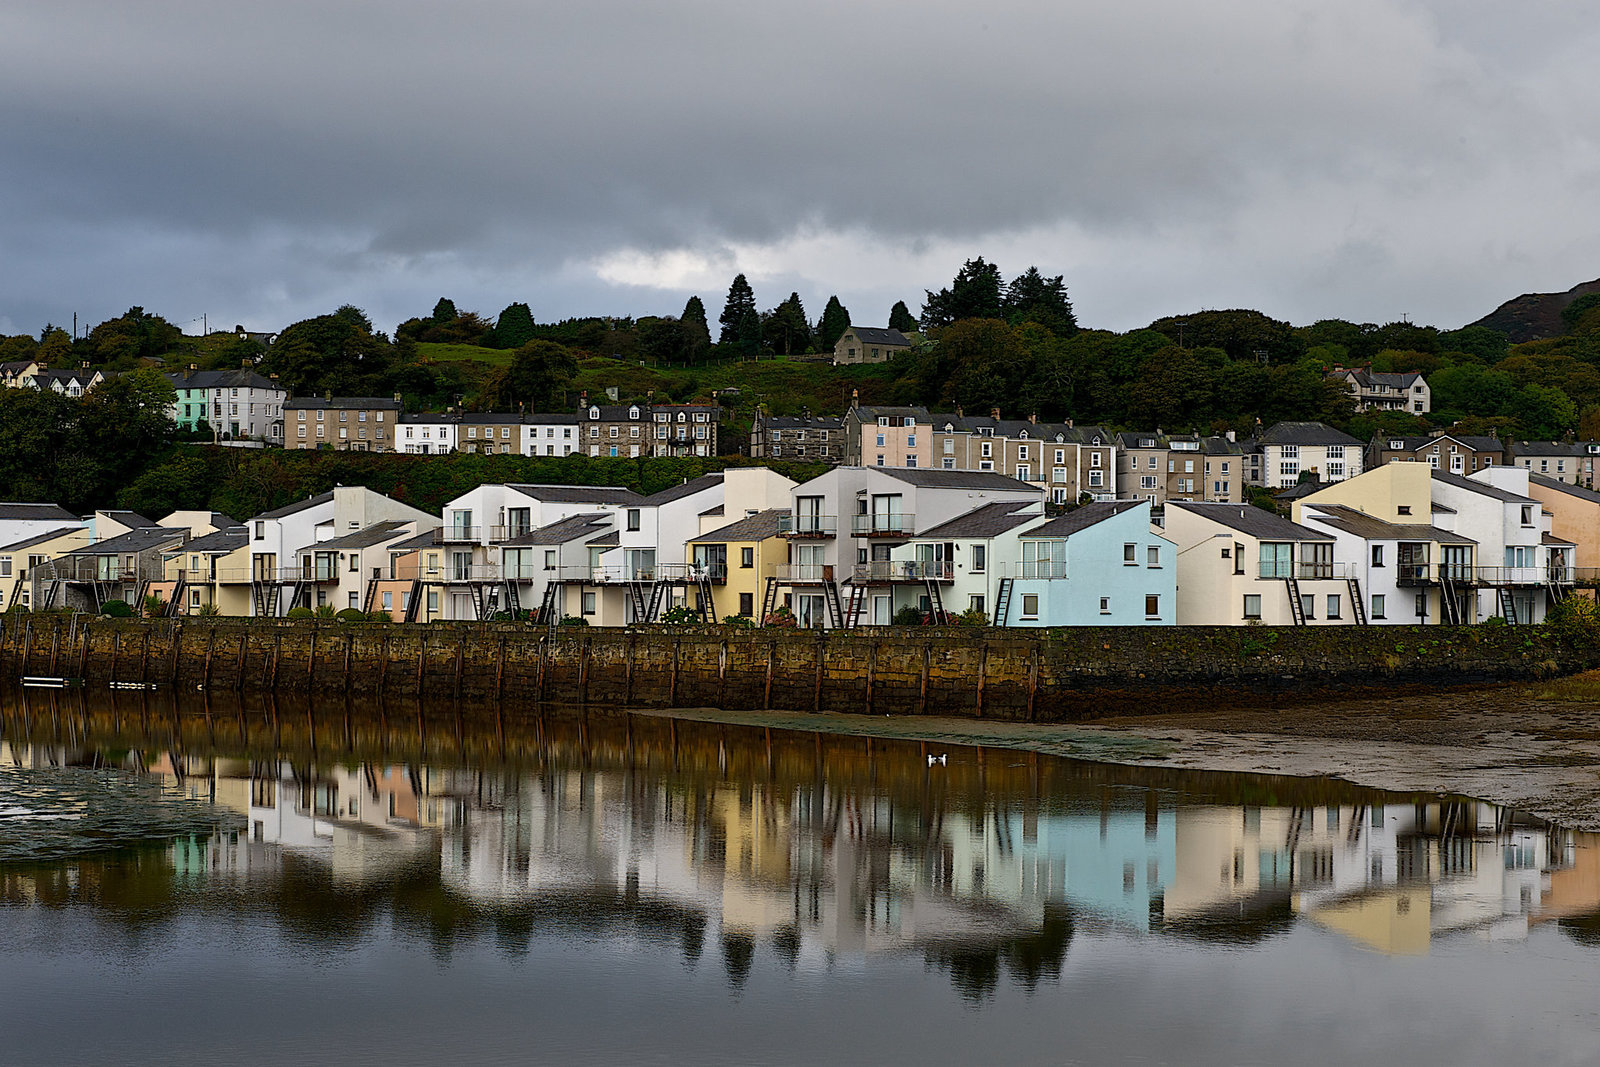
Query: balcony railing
{"points": [[448, 535], [904, 570], [808, 525], [471, 572], [803, 572], [883, 525], [1042, 568], [615, 575], [506, 533]]}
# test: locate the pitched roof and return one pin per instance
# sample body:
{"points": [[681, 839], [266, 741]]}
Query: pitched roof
{"points": [[560, 532], [366, 537], [578, 494], [298, 506], [932, 478], [131, 519], [610, 539], [221, 542], [683, 489], [1562, 487], [1550, 448], [237, 378], [421, 540], [874, 335], [1305, 433], [805, 422], [1084, 517], [387, 403], [757, 527], [1348, 519], [987, 520], [1251, 521], [1552, 539], [134, 541], [1414, 443], [35, 512], [1474, 486], [39, 539]]}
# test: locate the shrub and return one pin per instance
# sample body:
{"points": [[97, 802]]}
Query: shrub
{"points": [[973, 617], [351, 615], [781, 617], [380, 616], [117, 609], [573, 620], [739, 620], [326, 611], [681, 615], [301, 612], [909, 616], [208, 611], [154, 607], [1575, 619]]}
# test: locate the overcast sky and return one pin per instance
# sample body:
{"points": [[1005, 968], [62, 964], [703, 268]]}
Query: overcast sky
{"points": [[262, 162]]}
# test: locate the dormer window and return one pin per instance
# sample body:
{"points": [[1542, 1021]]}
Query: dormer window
{"points": [[681, 417], [633, 413], [1397, 445], [594, 413]]}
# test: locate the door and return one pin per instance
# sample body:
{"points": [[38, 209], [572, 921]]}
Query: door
{"points": [[808, 562], [881, 615]]}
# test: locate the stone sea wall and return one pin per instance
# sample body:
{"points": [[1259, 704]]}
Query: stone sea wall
{"points": [[1005, 674]]}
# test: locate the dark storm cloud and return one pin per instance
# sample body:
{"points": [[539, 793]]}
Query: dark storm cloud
{"points": [[267, 161]]}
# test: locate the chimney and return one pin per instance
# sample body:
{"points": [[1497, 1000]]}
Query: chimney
{"points": [[958, 411], [327, 396], [994, 413], [1033, 419], [1230, 436], [1069, 424], [855, 398], [245, 363]]}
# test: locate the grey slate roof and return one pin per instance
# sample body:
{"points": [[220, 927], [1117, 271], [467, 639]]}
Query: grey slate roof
{"points": [[1250, 520], [934, 478], [1475, 486], [805, 422], [1084, 517], [610, 539], [1305, 433], [578, 494], [683, 489], [38, 539], [221, 542], [371, 403], [131, 519], [1552, 539], [1562, 487], [1554, 448], [757, 527], [1414, 444], [987, 520], [366, 537], [36, 512], [421, 540], [298, 506], [1348, 519], [237, 378], [134, 541], [558, 533], [874, 335]]}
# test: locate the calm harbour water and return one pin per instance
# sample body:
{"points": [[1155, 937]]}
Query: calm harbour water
{"points": [[607, 888]]}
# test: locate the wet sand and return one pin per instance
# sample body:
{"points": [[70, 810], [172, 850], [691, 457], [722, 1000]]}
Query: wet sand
{"points": [[1534, 748]]}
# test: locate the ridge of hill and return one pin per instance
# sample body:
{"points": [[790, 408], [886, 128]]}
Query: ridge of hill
{"points": [[1533, 316]]}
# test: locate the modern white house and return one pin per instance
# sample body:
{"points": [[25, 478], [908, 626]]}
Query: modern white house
{"points": [[1290, 449], [1238, 564], [237, 405], [962, 564]]}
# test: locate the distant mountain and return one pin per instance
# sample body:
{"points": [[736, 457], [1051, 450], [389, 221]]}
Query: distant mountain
{"points": [[1534, 315]]}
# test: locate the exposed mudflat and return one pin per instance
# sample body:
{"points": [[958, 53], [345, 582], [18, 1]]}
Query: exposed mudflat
{"points": [[1535, 748]]}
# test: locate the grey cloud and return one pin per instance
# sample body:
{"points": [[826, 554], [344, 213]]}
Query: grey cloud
{"points": [[299, 154]]}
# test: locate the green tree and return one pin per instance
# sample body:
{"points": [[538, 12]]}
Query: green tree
{"points": [[539, 376], [1242, 334], [695, 333], [976, 293], [132, 336], [514, 328], [661, 339], [1031, 297], [331, 353], [738, 314], [1176, 388], [786, 328], [444, 311], [834, 322], [55, 347], [900, 318]]}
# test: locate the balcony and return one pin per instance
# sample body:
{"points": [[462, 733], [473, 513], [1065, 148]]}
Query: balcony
{"points": [[904, 570], [455, 535], [471, 572], [808, 526], [716, 573], [506, 533], [883, 525], [617, 575], [808, 573]]}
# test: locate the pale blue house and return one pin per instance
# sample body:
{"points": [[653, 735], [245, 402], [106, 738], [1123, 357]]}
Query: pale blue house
{"points": [[1099, 565]]}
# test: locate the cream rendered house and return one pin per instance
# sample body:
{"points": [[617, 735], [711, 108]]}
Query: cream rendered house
{"points": [[1239, 564]]}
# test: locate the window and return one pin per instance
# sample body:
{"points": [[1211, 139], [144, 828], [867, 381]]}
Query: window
{"points": [[1377, 605], [1238, 558], [1152, 555], [1148, 481], [1333, 605], [1403, 509], [1105, 605], [1377, 555], [1030, 605], [911, 461], [1527, 514], [975, 602], [1252, 605], [355, 563], [1096, 479], [1130, 554], [1022, 451], [980, 558], [633, 518], [1152, 606], [1308, 606], [1094, 459], [588, 603], [747, 557], [549, 559], [747, 604], [949, 463]]}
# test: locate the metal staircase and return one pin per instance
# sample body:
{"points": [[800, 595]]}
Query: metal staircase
{"points": [[1508, 605], [1449, 601], [852, 613], [935, 601], [1357, 607], [1296, 609], [1002, 601], [830, 593], [769, 601], [414, 601], [547, 606], [708, 607], [513, 601]]}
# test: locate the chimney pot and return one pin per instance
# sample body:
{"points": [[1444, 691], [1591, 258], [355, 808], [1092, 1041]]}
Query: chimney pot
{"points": [[994, 413]]}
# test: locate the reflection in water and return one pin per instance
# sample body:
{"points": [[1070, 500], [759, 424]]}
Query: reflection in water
{"points": [[817, 850]]}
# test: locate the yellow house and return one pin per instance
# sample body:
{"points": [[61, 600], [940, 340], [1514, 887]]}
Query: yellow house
{"points": [[737, 557], [213, 569], [19, 560], [1238, 564]]}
